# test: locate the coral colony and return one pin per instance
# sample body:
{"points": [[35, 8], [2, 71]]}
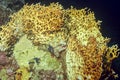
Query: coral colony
{"points": [[52, 43]]}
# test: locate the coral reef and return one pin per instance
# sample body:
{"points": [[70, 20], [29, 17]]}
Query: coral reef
{"points": [[85, 42], [51, 43], [110, 54]]}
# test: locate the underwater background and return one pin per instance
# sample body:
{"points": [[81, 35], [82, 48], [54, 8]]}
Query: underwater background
{"points": [[108, 11]]}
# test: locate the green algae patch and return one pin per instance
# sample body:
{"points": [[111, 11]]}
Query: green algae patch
{"points": [[25, 51], [3, 75]]}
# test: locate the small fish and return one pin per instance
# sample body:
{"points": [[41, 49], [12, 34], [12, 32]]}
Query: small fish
{"points": [[37, 60], [50, 49]]}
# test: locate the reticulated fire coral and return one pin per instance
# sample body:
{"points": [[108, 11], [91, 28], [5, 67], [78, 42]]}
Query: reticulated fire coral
{"points": [[53, 42]]}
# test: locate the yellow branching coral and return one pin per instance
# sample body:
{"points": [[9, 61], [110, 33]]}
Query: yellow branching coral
{"points": [[6, 37], [87, 42], [52, 30], [74, 61], [82, 24], [85, 61], [112, 52], [40, 21]]}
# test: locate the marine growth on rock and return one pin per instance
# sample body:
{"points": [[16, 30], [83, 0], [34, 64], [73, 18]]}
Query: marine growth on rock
{"points": [[53, 43]]}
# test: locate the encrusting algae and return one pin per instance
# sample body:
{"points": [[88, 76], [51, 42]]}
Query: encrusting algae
{"points": [[53, 43]]}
